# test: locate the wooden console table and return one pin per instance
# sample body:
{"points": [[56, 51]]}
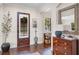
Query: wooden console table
{"points": [[64, 46]]}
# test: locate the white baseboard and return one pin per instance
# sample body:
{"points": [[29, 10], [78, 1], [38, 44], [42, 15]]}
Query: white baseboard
{"points": [[38, 43], [0, 48]]}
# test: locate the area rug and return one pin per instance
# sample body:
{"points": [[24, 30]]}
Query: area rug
{"points": [[46, 51], [28, 53]]}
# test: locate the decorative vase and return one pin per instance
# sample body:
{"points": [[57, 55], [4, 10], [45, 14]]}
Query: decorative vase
{"points": [[5, 47], [58, 33], [35, 38], [36, 41]]}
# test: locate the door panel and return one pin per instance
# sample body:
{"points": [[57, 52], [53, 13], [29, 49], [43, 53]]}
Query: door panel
{"points": [[23, 42]]}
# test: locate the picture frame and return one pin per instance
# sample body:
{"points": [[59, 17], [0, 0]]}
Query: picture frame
{"points": [[48, 24]]}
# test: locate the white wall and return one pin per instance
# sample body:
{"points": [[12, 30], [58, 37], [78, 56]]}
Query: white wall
{"points": [[1, 13], [14, 8], [54, 20], [55, 14]]}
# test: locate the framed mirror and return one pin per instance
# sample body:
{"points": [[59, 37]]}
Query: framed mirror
{"points": [[23, 26], [23, 29], [67, 17]]}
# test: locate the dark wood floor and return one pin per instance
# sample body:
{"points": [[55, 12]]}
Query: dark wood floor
{"points": [[41, 49]]}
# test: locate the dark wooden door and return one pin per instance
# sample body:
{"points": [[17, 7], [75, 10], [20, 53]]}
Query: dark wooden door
{"points": [[23, 29], [23, 42]]}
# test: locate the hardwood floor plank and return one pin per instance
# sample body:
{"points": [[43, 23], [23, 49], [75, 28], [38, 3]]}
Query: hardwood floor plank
{"points": [[30, 50]]}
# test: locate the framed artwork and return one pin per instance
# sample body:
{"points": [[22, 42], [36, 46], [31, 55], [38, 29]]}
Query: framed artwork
{"points": [[34, 24], [23, 24], [48, 24]]}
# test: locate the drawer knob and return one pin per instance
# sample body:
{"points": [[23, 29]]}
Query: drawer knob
{"points": [[65, 53], [56, 49], [65, 48], [65, 43], [55, 41]]}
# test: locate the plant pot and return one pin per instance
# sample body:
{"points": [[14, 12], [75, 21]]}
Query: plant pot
{"points": [[58, 33], [5, 47]]}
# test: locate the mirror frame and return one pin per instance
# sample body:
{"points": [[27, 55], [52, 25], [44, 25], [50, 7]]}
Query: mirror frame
{"points": [[75, 6], [18, 13]]}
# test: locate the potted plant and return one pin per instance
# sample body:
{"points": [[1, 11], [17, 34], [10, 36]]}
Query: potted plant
{"points": [[6, 27]]}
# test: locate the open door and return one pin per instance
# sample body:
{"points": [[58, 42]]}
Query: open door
{"points": [[23, 29]]}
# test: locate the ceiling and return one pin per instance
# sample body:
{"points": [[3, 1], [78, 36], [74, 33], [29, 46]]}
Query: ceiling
{"points": [[42, 7]]}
